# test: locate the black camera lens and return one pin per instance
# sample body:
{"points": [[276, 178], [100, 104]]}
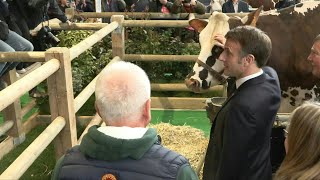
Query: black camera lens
{"points": [[45, 35]]}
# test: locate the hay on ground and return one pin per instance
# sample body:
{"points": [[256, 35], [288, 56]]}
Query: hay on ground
{"points": [[186, 140]]}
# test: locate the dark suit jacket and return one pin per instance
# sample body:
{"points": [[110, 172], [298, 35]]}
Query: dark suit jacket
{"points": [[227, 7], [239, 146]]}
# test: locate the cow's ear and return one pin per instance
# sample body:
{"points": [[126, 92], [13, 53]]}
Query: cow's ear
{"points": [[198, 24], [252, 18]]}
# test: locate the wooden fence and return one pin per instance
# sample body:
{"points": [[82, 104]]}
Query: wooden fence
{"points": [[56, 69]]}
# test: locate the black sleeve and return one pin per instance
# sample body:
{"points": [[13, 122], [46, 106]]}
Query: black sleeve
{"points": [[55, 12], [4, 30], [89, 7]]}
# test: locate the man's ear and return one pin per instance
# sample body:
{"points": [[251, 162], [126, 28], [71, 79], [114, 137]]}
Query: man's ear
{"points": [[250, 59], [147, 112]]}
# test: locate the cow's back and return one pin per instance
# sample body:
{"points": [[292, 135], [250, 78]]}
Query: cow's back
{"points": [[292, 32]]}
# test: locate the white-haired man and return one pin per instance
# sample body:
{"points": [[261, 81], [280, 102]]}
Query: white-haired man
{"points": [[125, 148]]}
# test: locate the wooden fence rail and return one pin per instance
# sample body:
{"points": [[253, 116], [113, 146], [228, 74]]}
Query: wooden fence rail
{"points": [[22, 56], [23, 85], [28, 156], [76, 50], [6, 126], [143, 15]]}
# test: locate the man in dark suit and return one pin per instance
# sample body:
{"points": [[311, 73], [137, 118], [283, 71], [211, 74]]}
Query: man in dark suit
{"points": [[235, 6], [239, 146]]}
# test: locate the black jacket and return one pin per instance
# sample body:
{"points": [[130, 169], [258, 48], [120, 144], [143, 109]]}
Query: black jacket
{"points": [[4, 15], [239, 146], [37, 11], [227, 7]]}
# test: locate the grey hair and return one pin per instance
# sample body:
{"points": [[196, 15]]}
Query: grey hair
{"points": [[122, 90]]}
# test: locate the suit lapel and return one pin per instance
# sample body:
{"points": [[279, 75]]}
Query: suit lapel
{"points": [[250, 82]]}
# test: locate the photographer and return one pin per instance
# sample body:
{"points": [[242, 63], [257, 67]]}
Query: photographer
{"points": [[186, 6], [85, 6], [38, 11], [112, 6]]}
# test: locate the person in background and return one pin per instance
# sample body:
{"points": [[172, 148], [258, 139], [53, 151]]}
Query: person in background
{"points": [[314, 57], [235, 6], [302, 144], [85, 6], [63, 5], [239, 145], [9, 41], [187, 6], [125, 148], [112, 6]]}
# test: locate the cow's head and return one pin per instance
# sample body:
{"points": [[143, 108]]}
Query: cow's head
{"points": [[207, 71]]}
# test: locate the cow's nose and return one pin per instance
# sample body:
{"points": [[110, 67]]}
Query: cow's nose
{"points": [[192, 84]]}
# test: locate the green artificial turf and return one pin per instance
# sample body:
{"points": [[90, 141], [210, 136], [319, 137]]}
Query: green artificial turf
{"points": [[24, 100], [196, 119], [43, 165]]}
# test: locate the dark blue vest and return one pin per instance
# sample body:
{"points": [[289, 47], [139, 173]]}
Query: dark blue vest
{"points": [[158, 163]]}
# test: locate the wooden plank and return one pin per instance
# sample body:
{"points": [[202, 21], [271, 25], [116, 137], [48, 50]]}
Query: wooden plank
{"points": [[77, 26], [148, 15], [61, 99], [33, 56], [31, 122], [6, 126], [178, 87], [87, 43], [155, 58], [13, 111], [118, 47], [23, 85], [177, 103], [156, 23], [28, 156], [8, 144]]}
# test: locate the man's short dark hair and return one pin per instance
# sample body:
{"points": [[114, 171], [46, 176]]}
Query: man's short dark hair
{"points": [[253, 41]]}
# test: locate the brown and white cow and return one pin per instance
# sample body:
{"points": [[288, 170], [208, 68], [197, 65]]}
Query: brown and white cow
{"points": [[291, 30]]}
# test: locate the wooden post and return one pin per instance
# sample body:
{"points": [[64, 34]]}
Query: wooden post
{"points": [[118, 37], [61, 99], [13, 112]]}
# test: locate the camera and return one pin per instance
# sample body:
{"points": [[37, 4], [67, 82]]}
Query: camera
{"points": [[45, 36]]}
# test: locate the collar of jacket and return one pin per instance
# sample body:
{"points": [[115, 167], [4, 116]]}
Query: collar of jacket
{"points": [[97, 145]]}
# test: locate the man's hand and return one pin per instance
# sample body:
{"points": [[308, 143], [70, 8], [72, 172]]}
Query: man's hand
{"points": [[220, 40], [69, 22]]}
